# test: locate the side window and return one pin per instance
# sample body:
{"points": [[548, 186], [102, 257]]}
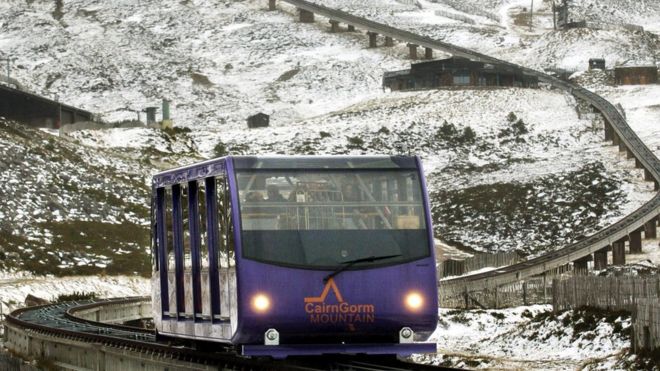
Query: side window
{"points": [[185, 218], [225, 225], [204, 238], [154, 234], [169, 227]]}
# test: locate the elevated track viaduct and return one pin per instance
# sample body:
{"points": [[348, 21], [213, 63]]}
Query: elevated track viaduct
{"points": [[595, 247]]}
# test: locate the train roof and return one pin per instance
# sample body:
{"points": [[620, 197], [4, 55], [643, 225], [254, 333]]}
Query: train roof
{"points": [[215, 166]]}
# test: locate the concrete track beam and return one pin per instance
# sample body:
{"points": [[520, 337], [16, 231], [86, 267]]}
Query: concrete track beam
{"points": [[650, 230], [306, 16], [619, 252], [271, 4], [413, 50], [636, 242]]}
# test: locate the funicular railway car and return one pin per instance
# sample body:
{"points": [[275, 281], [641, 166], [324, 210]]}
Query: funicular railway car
{"points": [[299, 255]]}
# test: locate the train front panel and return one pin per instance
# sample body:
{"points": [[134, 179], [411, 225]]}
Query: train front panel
{"points": [[332, 251]]}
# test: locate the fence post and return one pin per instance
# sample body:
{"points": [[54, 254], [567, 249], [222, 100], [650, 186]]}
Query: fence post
{"points": [[466, 298], [545, 290]]}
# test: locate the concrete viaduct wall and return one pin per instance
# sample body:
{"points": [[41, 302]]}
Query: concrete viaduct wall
{"points": [[594, 247], [115, 313], [70, 354]]}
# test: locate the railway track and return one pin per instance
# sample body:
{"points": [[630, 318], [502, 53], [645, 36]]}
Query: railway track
{"points": [[127, 345], [620, 131]]}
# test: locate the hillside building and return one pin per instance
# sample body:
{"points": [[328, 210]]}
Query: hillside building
{"points": [[260, 120], [597, 63], [457, 72], [636, 75]]}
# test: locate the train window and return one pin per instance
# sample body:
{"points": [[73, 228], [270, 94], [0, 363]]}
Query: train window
{"points": [[185, 215], [204, 246], [324, 217], [226, 258], [169, 251], [155, 264]]}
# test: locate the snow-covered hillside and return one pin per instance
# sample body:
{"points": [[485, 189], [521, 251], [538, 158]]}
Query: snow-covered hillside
{"points": [[522, 168]]}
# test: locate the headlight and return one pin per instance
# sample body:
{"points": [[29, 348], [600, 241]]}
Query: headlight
{"points": [[414, 301], [260, 303]]}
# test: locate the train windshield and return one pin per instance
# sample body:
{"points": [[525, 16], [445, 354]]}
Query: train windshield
{"points": [[323, 218]]}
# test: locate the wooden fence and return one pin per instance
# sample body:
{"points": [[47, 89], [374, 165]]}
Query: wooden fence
{"points": [[646, 325], [612, 293], [455, 16], [460, 267], [532, 290], [535, 290], [640, 296]]}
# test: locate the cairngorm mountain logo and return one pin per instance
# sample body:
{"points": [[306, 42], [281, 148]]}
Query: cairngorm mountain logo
{"points": [[322, 312]]}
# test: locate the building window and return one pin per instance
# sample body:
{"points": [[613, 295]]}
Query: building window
{"points": [[462, 78]]}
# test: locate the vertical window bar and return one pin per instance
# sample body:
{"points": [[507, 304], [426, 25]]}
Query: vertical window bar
{"points": [[177, 229], [213, 242], [193, 227], [162, 253]]}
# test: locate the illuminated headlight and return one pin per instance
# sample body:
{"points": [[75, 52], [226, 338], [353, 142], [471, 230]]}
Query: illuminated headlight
{"points": [[260, 303], [414, 301]]}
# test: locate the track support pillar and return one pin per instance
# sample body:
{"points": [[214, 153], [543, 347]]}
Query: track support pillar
{"points": [[650, 229], [622, 146], [581, 266], [428, 53], [389, 41], [306, 16], [413, 50], [636, 242], [372, 39], [271, 4], [619, 252], [600, 259], [334, 26], [608, 131], [351, 28]]}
